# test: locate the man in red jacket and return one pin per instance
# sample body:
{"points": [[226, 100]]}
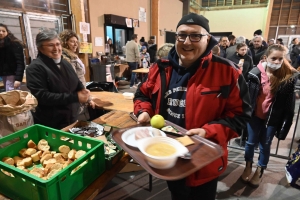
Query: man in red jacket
{"points": [[201, 92]]}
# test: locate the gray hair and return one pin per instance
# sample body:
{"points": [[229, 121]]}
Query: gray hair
{"points": [[240, 40], [45, 35], [163, 51], [258, 36]]}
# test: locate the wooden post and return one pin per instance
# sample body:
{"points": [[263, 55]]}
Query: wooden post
{"points": [[154, 19], [77, 8]]}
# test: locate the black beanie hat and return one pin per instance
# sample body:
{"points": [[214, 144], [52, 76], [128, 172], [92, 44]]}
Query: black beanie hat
{"points": [[193, 18], [257, 32]]}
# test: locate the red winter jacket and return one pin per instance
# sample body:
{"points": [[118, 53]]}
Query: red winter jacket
{"points": [[217, 100]]}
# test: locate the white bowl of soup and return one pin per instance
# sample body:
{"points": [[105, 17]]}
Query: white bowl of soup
{"points": [[161, 152]]}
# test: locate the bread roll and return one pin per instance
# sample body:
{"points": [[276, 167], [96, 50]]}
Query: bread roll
{"points": [[67, 163], [8, 160], [42, 143], [46, 157], [27, 161], [79, 154], [30, 151], [35, 157], [71, 154], [31, 144], [22, 153], [45, 152], [50, 161], [17, 160], [64, 149]]}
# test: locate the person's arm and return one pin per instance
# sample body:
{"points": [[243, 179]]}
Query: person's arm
{"points": [[148, 57], [287, 120], [137, 53], [37, 83], [17, 50], [143, 96]]}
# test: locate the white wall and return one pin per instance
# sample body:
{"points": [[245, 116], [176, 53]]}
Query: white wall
{"points": [[241, 22]]}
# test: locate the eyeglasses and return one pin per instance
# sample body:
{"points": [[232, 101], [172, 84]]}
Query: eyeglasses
{"points": [[193, 37], [52, 45]]}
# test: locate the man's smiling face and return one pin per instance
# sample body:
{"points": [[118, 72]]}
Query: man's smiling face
{"points": [[187, 51]]}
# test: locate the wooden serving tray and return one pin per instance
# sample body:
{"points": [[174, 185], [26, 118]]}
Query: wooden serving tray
{"points": [[206, 153]]}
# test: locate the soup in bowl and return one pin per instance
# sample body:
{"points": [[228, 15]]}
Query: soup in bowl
{"points": [[161, 152]]}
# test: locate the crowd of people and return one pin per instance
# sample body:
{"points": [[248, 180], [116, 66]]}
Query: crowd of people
{"points": [[218, 90]]}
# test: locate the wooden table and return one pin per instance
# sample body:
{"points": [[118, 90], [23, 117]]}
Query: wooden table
{"points": [[141, 70], [117, 99]]}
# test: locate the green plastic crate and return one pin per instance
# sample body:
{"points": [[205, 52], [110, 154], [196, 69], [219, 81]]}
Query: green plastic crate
{"points": [[62, 186]]}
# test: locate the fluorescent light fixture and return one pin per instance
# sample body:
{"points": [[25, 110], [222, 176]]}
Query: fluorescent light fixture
{"points": [[293, 26]]}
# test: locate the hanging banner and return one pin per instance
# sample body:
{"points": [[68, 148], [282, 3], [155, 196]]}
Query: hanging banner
{"points": [[86, 47]]}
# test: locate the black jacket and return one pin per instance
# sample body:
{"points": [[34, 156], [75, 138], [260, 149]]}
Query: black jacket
{"points": [[256, 56], [152, 52], [294, 56], [281, 111], [12, 59], [56, 91], [247, 66]]}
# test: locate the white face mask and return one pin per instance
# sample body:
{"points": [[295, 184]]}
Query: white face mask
{"points": [[273, 66]]}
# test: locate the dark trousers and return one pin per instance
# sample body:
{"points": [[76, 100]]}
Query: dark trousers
{"points": [[180, 191], [132, 66]]}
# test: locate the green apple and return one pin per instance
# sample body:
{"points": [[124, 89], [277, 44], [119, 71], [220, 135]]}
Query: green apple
{"points": [[157, 121]]}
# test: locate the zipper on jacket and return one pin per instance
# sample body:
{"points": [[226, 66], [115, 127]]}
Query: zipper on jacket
{"points": [[211, 92], [272, 108]]}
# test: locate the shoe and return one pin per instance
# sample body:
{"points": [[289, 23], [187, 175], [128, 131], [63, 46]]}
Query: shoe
{"points": [[238, 142], [257, 177], [247, 172]]}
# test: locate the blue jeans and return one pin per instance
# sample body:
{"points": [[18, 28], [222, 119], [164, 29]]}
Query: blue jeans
{"points": [[132, 66], [258, 133]]}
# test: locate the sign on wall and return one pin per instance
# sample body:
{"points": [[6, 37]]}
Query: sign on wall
{"points": [[142, 14], [85, 47], [84, 28], [129, 22]]}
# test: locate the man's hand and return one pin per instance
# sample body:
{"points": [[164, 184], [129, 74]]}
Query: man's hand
{"points": [[197, 131], [17, 84], [83, 95], [143, 117], [92, 104]]}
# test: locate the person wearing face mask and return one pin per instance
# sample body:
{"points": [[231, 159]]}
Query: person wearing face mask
{"points": [[182, 90], [271, 87], [242, 59], [54, 83], [69, 52], [11, 59]]}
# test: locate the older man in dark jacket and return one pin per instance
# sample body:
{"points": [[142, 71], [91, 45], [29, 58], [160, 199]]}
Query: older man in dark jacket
{"points": [[258, 49]]}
